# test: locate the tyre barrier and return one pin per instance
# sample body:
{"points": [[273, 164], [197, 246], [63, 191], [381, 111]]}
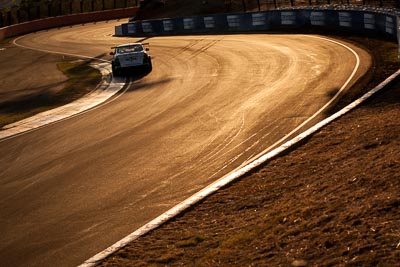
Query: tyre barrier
{"points": [[53, 22], [360, 22]]}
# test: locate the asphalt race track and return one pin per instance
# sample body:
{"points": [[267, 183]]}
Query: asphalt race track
{"points": [[211, 103]]}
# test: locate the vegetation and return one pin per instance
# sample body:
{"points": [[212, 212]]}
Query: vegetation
{"points": [[81, 80]]}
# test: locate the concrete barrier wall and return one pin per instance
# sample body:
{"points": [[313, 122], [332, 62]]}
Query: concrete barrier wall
{"points": [[53, 22], [355, 21]]}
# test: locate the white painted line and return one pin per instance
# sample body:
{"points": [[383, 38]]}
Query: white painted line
{"points": [[234, 175], [189, 202], [103, 92], [53, 52], [355, 69]]}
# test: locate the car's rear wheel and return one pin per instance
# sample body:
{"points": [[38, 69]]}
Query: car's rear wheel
{"points": [[115, 71], [150, 66]]}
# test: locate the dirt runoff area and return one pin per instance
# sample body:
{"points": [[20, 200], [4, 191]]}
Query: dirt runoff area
{"points": [[333, 201]]}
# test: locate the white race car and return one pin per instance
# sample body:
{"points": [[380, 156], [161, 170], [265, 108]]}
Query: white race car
{"points": [[129, 56]]}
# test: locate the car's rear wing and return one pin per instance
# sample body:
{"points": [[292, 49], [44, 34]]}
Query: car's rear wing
{"points": [[113, 47]]}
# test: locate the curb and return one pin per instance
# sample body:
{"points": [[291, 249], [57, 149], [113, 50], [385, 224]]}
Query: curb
{"points": [[229, 178], [106, 89]]}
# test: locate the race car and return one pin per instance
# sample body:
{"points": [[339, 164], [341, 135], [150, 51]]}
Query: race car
{"points": [[129, 56]]}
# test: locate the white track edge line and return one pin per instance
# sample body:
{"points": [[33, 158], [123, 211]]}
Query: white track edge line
{"points": [[7, 134], [91, 102], [322, 108], [53, 52], [225, 180], [189, 202]]}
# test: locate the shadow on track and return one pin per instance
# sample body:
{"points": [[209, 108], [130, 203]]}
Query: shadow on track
{"points": [[135, 79], [134, 75]]}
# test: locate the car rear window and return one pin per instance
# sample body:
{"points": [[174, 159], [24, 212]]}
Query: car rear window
{"points": [[129, 49]]}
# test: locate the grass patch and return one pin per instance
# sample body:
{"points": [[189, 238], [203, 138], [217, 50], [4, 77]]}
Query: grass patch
{"points": [[165, 258], [386, 61], [240, 238], [81, 80], [191, 242], [5, 41]]}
